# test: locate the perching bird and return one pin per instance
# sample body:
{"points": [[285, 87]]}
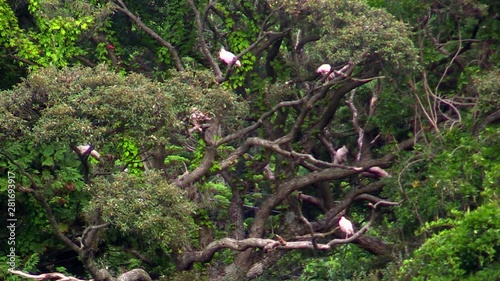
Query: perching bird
{"points": [[340, 156], [376, 172], [228, 57], [84, 149], [324, 69], [346, 226]]}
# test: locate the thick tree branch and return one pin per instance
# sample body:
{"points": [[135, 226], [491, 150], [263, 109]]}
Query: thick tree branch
{"points": [[200, 28], [133, 275], [267, 245]]}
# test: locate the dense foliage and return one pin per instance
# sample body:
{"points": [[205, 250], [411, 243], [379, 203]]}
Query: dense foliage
{"points": [[130, 151]]}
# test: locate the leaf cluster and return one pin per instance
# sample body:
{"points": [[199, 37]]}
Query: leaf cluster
{"points": [[148, 206]]}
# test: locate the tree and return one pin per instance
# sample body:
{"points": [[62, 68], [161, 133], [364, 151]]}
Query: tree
{"points": [[235, 167]]}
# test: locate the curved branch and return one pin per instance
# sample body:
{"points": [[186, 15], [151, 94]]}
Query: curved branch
{"points": [[374, 200], [173, 52], [187, 259], [207, 161], [88, 236], [297, 183], [48, 210], [133, 275], [200, 27]]}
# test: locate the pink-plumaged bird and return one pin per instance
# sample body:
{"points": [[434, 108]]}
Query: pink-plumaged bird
{"points": [[84, 148], [228, 57], [379, 172], [341, 155], [324, 69], [346, 226]]}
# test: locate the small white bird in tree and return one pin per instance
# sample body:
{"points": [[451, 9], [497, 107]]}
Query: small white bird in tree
{"points": [[346, 226], [341, 155], [324, 69], [228, 57]]}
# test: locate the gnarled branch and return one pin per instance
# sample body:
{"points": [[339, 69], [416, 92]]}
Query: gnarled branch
{"points": [[173, 52]]}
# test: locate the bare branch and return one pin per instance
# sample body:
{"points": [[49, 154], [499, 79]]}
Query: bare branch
{"points": [[200, 27], [269, 244], [492, 118], [38, 194], [374, 99], [133, 275], [274, 146], [206, 255], [208, 158], [303, 41], [245, 131], [308, 224], [375, 200], [89, 234], [173, 52]]}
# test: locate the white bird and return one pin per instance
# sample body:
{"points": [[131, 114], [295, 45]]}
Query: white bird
{"points": [[324, 69], [84, 148], [346, 226], [228, 57], [378, 172], [340, 156]]}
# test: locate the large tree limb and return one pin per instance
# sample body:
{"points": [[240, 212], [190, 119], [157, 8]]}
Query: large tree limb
{"points": [[133, 275], [245, 131]]}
